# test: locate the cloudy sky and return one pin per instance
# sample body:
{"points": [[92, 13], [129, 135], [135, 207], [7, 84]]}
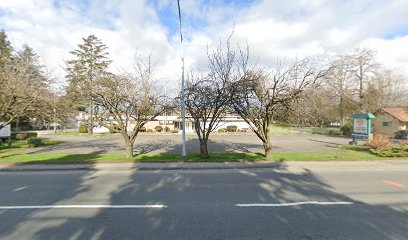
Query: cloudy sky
{"points": [[273, 28]]}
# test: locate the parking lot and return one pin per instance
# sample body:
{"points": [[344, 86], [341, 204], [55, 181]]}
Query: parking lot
{"points": [[171, 143]]}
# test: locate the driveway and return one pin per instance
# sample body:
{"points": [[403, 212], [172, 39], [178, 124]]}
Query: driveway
{"points": [[171, 143]]}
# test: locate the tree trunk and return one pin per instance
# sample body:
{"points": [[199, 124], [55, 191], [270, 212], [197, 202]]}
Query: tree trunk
{"points": [[55, 121], [268, 148], [267, 144], [129, 150], [90, 130], [204, 151]]}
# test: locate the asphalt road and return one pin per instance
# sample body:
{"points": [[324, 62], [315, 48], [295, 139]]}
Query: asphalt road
{"points": [[365, 203]]}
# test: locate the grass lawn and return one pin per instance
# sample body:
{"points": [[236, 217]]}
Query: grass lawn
{"points": [[286, 130], [21, 144], [342, 155], [76, 133]]}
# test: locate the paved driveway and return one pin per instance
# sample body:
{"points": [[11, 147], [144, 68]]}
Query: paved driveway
{"points": [[171, 143]]}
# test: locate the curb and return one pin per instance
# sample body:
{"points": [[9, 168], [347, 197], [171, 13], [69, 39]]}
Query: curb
{"points": [[354, 165], [135, 166]]}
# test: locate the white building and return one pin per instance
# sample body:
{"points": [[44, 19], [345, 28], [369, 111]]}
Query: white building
{"points": [[175, 122]]}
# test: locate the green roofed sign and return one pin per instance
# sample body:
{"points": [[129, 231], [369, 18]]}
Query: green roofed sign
{"points": [[361, 126]]}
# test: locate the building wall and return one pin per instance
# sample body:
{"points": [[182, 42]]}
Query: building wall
{"points": [[387, 124], [175, 122]]}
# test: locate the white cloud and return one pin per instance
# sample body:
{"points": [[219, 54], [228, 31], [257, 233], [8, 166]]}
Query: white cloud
{"points": [[393, 52], [273, 28]]}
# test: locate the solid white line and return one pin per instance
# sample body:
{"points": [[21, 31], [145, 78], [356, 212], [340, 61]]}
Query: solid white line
{"points": [[291, 204], [80, 206]]}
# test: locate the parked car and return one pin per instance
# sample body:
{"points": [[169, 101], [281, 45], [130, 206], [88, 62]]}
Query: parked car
{"points": [[401, 134]]}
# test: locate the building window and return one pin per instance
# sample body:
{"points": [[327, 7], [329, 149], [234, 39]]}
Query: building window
{"points": [[387, 124]]}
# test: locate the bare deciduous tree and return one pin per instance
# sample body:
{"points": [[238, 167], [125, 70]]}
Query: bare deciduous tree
{"points": [[208, 96], [125, 103], [22, 83], [261, 94], [364, 69]]}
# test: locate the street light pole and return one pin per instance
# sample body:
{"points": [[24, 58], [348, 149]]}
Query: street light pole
{"points": [[183, 103]]}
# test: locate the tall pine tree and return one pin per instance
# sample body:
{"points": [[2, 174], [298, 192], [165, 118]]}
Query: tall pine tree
{"points": [[89, 63], [6, 50]]}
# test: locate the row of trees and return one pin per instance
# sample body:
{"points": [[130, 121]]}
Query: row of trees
{"points": [[301, 92], [26, 87]]}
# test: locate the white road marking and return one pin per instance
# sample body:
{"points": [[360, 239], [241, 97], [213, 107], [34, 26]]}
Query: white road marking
{"points": [[81, 206], [291, 204]]}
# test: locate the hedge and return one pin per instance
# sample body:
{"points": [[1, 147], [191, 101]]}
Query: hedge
{"points": [[23, 135]]}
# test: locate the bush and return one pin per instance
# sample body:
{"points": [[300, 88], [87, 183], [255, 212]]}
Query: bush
{"points": [[378, 141], [158, 128], [174, 130], [83, 128], [232, 128], [393, 151], [23, 135], [114, 128], [222, 130], [404, 143], [149, 130], [142, 129], [167, 129], [347, 129], [33, 142]]}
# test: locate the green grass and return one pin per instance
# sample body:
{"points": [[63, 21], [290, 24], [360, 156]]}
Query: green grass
{"points": [[287, 130], [345, 155], [21, 144], [325, 131], [281, 129], [75, 133]]}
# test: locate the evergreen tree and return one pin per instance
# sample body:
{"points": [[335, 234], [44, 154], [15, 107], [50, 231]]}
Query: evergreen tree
{"points": [[6, 50], [89, 63]]}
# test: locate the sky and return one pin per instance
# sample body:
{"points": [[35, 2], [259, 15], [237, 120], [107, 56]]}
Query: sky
{"points": [[274, 29]]}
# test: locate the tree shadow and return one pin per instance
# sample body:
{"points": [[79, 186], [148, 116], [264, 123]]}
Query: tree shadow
{"points": [[33, 188], [201, 205], [99, 144]]}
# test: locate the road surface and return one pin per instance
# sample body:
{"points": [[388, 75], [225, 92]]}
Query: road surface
{"points": [[310, 202]]}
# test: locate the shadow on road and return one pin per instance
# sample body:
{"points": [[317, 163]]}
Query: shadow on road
{"points": [[201, 206]]}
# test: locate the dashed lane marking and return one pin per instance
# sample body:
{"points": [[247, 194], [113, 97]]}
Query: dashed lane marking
{"points": [[80, 206], [291, 204]]}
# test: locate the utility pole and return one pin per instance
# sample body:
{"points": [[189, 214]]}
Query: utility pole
{"points": [[183, 103]]}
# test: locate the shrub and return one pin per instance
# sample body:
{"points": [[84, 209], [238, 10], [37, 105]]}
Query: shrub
{"points": [[158, 128], [404, 143], [83, 128], [142, 129], [222, 130], [347, 129], [232, 128], [33, 142], [378, 141], [174, 130], [114, 128], [149, 130], [23, 135], [167, 129], [393, 151]]}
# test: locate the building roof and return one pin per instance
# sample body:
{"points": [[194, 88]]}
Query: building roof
{"points": [[400, 113]]}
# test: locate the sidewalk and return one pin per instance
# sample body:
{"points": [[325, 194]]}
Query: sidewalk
{"points": [[293, 165]]}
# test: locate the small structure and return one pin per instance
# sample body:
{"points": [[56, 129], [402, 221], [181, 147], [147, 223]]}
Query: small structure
{"points": [[5, 131], [390, 120], [361, 126]]}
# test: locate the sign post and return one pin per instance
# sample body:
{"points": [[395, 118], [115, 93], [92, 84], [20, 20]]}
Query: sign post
{"points": [[361, 127]]}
